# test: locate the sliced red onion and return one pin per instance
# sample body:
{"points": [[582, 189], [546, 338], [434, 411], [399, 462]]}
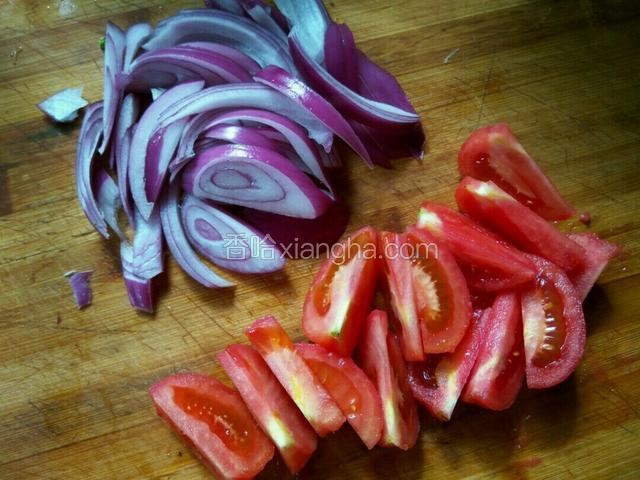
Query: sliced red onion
{"points": [[147, 126], [64, 105], [147, 246], [156, 92], [353, 105], [114, 51], [331, 159], [375, 83], [127, 116], [136, 35], [222, 27], [246, 8], [310, 20], [179, 244], [138, 288], [80, 285], [260, 12], [340, 55], [254, 177], [227, 242], [241, 136], [108, 198], [304, 96], [245, 61], [231, 6]]}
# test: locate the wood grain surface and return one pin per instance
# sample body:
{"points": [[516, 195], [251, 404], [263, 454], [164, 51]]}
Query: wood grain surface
{"points": [[73, 400]]}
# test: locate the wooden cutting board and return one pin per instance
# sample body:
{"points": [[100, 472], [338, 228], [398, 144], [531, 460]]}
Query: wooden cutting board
{"points": [[73, 401]]}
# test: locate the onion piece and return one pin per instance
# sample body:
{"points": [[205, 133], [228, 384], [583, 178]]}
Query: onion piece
{"points": [[311, 20], [340, 55], [247, 8], [231, 6], [179, 244], [147, 246], [222, 27], [147, 126], [260, 12], [81, 288], [63, 106], [253, 177], [136, 35], [242, 136], [245, 61], [127, 116], [108, 198], [138, 288], [226, 241], [114, 51]]}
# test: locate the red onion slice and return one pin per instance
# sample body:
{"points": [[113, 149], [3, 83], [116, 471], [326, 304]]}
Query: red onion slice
{"points": [[138, 288], [310, 20], [114, 51], [231, 6], [241, 136], [108, 198], [179, 244], [63, 106], [260, 12], [227, 242], [340, 55], [253, 177], [81, 288], [136, 35], [147, 246], [129, 113], [245, 61]]}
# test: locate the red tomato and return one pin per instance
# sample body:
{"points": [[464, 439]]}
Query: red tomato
{"points": [[270, 405], [599, 254], [341, 293], [494, 153], [212, 419], [277, 349], [350, 387], [489, 264], [498, 372], [495, 208], [382, 361], [553, 324], [437, 382]]}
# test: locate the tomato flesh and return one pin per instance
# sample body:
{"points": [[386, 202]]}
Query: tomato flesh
{"points": [[213, 420], [494, 153], [315, 403], [341, 293], [270, 405], [381, 359], [553, 325], [498, 372], [600, 254], [350, 387], [494, 208], [438, 381]]}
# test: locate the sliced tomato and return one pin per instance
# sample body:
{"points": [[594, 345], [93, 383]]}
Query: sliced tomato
{"points": [[489, 264], [498, 372], [438, 381], [553, 324], [350, 387], [341, 293], [277, 349], [494, 153], [382, 361], [212, 419], [599, 254], [270, 405], [496, 209]]}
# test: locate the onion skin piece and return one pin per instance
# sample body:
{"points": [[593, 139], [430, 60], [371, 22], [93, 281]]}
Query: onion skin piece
{"points": [[79, 282]]}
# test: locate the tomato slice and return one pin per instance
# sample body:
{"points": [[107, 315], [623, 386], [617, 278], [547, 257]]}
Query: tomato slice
{"points": [[341, 293], [270, 405], [489, 264], [553, 324], [350, 387], [212, 419], [599, 254], [437, 382], [272, 342], [493, 207], [381, 359], [494, 153], [498, 372]]}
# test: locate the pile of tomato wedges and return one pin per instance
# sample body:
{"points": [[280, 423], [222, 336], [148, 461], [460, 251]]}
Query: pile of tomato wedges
{"points": [[478, 300]]}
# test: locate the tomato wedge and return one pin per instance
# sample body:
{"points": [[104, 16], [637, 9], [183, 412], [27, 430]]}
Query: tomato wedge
{"points": [[350, 387], [498, 372], [553, 324], [270, 405], [494, 153], [489, 264], [493, 207], [341, 293], [272, 342], [437, 382], [382, 361], [599, 254], [211, 418]]}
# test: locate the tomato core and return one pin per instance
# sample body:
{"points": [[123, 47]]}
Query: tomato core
{"points": [[554, 329]]}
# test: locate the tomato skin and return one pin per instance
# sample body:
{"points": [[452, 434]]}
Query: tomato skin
{"points": [[492, 207], [381, 359], [338, 327], [350, 387], [498, 371], [599, 254], [476, 249], [573, 325], [438, 382], [270, 404], [223, 403], [276, 348], [493, 149]]}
